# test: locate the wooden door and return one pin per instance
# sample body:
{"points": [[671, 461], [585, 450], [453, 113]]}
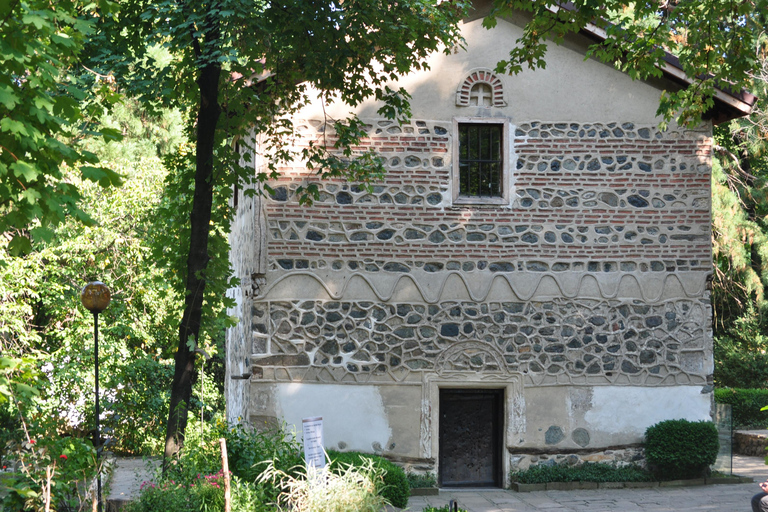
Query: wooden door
{"points": [[471, 447]]}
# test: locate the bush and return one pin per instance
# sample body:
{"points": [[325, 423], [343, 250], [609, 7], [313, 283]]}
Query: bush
{"points": [[248, 450], [745, 406], [395, 489], [193, 482], [205, 493], [71, 461], [681, 448], [416, 480], [135, 417], [741, 369], [588, 472]]}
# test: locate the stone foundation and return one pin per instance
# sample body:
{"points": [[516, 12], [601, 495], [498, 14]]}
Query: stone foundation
{"points": [[750, 443], [622, 456]]}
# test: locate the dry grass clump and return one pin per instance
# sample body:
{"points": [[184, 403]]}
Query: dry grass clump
{"points": [[353, 489]]}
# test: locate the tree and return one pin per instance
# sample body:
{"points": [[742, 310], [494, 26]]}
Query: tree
{"points": [[44, 326], [43, 113], [739, 209], [716, 42], [740, 243], [243, 65], [247, 64]]}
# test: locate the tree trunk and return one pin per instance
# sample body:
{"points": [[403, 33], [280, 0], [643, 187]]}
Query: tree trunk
{"points": [[197, 260]]}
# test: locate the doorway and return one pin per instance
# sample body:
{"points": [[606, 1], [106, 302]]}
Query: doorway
{"points": [[470, 437]]}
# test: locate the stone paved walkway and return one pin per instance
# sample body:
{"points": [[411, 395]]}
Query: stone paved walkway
{"points": [[127, 475], [130, 472], [716, 498]]}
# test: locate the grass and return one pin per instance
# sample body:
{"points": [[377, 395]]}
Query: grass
{"points": [[417, 481], [588, 472]]}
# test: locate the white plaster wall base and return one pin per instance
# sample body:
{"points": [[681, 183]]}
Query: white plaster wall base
{"points": [[631, 410], [354, 417], [593, 417]]}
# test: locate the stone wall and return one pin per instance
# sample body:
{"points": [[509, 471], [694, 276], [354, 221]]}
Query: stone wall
{"points": [[602, 259], [750, 443], [621, 456], [628, 196], [594, 275], [553, 342]]}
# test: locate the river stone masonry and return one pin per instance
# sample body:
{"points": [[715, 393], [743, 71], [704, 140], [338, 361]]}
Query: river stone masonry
{"points": [[562, 340], [594, 275], [564, 309], [623, 213]]}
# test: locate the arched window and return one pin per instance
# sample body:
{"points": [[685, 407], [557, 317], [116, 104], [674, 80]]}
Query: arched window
{"points": [[481, 88]]}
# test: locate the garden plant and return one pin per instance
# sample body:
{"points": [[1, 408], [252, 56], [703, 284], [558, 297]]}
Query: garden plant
{"points": [[587, 472], [678, 449]]}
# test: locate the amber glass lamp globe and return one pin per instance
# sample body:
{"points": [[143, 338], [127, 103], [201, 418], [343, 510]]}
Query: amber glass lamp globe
{"points": [[95, 297]]}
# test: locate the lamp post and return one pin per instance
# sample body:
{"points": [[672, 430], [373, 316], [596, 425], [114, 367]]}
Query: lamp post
{"points": [[95, 297]]}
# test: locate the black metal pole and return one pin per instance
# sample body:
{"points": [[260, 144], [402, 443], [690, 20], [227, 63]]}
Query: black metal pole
{"points": [[98, 432]]}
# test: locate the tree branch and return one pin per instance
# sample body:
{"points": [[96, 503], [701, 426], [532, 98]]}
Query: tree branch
{"points": [[10, 11]]}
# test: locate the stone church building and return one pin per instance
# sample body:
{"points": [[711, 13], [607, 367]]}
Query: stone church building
{"points": [[529, 280]]}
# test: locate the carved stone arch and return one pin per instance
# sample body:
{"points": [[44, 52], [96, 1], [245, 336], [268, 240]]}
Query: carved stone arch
{"points": [[479, 78], [471, 355]]}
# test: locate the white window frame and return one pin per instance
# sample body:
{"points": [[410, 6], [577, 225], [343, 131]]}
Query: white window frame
{"points": [[506, 163]]}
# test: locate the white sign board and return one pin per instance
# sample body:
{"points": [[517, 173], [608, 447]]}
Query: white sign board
{"points": [[314, 454]]}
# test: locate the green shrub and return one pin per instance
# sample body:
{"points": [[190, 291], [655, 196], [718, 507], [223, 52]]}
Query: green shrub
{"points": [[741, 369], [745, 406], [193, 482], [137, 413], [587, 472], [417, 480], [681, 448], [248, 451], [166, 497], [396, 489], [72, 462], [205, 493]]}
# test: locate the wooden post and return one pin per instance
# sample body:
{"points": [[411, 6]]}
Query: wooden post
{"points": [[47, 488], [225, 470]]}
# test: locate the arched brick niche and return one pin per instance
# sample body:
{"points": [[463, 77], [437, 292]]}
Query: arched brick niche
{"points": [[480, 88]]}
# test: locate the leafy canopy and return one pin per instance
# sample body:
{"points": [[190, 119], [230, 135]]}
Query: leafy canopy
{"points": [[238, 69], [45, 106], [716, 42]]}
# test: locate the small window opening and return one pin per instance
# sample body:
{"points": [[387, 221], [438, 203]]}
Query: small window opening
{"points": [[480, 160]]}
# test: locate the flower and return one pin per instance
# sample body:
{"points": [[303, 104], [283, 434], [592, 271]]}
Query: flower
{"points": [[62, 456], [31, 441]]}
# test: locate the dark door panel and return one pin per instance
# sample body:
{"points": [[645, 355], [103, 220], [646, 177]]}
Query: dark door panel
{"points": [[470, 440]]}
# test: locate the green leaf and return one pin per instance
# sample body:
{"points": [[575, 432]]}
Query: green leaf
{"points": [[32, 195], [38, 21], [102, 175], [110, 134], [8, 97], [7, 363], [24, 170], [25, 389], [19, 245], [16, 127]]}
